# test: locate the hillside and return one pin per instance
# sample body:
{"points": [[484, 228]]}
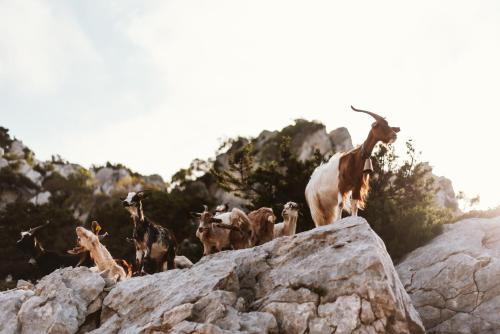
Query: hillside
{"points": [[67, 194]]}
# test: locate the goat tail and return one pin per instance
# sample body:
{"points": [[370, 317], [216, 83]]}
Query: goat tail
{"points": [[125, 265]]}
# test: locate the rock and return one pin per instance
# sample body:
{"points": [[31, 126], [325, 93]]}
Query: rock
{"points": [[445, 195], [65, 170], [453, 281], [317, 140], [10, 303], [2, 152], [41, 198], [24, 168], [341, 140], [337, 277], [3, 163], [182, 262], [24, 285], [16, 149], [60, 302]]}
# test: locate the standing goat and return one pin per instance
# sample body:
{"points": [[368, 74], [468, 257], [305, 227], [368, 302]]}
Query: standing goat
{"points": [[154, 243], [344, 174], [88, 241], [290, 215], [262, 221], [226, 230]]}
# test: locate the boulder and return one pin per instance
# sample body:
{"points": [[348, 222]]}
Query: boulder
{"points": [[16, 149], [10, 303], [61, 301], [41, 198], [334, 278], [341, 139], [337, 278], [453, 280]]}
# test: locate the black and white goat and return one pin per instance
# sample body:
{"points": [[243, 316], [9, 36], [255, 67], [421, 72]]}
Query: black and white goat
{"points": [[155, 245], [46, 261]]}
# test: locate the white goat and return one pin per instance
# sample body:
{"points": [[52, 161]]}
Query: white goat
{"points": [[290, 215], [101, 256]]}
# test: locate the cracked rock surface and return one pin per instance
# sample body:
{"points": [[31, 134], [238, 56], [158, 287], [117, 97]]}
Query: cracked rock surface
{"points": [[59, 303], [334, 279], [454, 281]]}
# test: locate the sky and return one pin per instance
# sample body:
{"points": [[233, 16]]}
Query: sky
{"points": [[155, 84]]}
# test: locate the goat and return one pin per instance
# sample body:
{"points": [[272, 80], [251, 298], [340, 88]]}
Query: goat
{"points": [[346, 174], [227, 230], [89, 241], [290, 215], [154, 243], [181, 262], [262, 221], [46, 261]]}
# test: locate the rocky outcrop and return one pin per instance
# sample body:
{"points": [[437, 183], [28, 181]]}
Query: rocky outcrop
{"points": [[60, 303], [337, 278], [341, 140], [454, 280]]}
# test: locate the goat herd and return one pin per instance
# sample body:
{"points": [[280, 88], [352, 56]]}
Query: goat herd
{"points": [[343, 179]]}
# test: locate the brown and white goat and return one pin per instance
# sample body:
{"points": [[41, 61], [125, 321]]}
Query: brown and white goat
{"points": [[226, 230], [290, 215], [88, 241], [262, 221], [346, 174]]}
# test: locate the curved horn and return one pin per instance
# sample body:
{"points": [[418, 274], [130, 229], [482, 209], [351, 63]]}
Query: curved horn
{"points": [[374, 115], [38, 228]]}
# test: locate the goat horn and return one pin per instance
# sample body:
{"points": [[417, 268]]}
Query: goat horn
{"points": [[38, 228], [205, 208], [374, 115]]}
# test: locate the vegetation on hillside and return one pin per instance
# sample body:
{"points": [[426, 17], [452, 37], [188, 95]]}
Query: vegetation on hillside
{"points": [[400, 208]]}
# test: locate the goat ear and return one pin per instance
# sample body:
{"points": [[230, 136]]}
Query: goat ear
{"points": [[195, 214], [96, 228], [216, 220], [375, 125], [143, 194], [396, 129]]}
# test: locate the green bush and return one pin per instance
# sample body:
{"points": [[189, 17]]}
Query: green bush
{"points": [[401, 205]]}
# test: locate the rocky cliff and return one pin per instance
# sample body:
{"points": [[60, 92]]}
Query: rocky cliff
{"points": [[337, 278], [454, 280]]}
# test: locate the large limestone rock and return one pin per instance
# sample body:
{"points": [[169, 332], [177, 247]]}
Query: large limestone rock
{"points": [[454, 280], [337, 278], [60, 302], [334, 279], [10, 303]]}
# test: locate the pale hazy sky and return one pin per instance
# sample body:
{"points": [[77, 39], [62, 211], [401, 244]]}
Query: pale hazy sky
{"points": [[155, 84]]}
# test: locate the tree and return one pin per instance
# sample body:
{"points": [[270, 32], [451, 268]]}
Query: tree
{"points": [[271, 183], [401, 206]]}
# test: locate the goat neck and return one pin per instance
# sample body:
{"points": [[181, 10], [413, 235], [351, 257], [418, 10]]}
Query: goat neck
{"points": [[368, 145], [290, 224]]}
